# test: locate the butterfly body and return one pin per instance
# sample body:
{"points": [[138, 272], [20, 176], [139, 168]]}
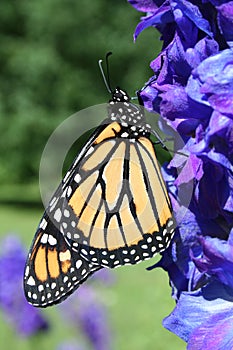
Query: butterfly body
{"points": [[111, 208]]}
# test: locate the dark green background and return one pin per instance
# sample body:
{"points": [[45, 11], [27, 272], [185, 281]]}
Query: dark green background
{"points": [[49, 51]]}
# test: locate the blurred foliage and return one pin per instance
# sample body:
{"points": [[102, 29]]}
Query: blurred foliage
{"points": [[48, 64]]}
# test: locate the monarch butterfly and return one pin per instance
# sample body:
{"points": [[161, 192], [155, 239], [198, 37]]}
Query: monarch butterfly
{"points": [[111, 208]]}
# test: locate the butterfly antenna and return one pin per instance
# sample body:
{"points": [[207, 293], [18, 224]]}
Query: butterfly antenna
{"points": [[106, 80], [160, 141]]}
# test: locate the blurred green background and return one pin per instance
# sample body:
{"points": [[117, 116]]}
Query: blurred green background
{"points": [[49, 51]]}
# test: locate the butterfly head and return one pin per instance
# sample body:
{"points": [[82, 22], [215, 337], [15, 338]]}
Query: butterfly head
{"points": [[119, 95], [130, 116]]}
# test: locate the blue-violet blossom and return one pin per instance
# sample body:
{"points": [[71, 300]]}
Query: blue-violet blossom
{"points": [[23, 317], [192, 90]]}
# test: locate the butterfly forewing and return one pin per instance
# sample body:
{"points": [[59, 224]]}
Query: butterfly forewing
{"points": [[123, 213], [115, 203]]}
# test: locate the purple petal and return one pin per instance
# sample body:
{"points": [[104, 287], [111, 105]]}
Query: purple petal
{"points": [[203, 49], [217, 143], [215, 65], [213, 190], [214, 334], [149, 94], [192, 169], [195, 309], [222, 103], [217, 259], [193, 13], [176, 104], [212, 82], [162, 15], [225, 21], [144, 5]]}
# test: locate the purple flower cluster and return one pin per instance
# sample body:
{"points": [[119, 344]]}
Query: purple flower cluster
{"points": [[192, 90], [23, 317], [85, 311]]}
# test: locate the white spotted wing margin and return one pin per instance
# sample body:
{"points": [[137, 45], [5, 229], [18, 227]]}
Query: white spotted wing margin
{"points": [[53, 269]]}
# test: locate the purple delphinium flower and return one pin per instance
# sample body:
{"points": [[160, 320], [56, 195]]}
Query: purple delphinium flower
{"points": [[23, 317], [88, 313], [192, 89]]}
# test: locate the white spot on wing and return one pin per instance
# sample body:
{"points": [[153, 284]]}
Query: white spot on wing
{"points": [[44, 238], [170, 223], [53, 203], [124, 124], [77, 178], [78, 264], [69, 191], [158, 238], [66, 213], [66, 176], [43, 224], [27, 271], [57, 215], [52, 240], [91, 149], [40, 288], [144, 246], [164, 231], [31, 281], [64, 224]]}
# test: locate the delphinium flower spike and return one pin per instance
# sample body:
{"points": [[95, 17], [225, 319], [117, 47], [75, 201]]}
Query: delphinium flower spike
{"points": [[192, 89]]}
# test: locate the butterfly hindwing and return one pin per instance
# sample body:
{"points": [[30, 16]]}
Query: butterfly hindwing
{"points": [[53, 269]]}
